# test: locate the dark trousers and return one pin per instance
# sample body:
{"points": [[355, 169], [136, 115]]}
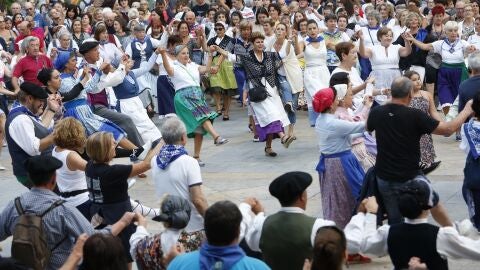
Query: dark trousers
{"points": [[388, 190], [122, 120]]}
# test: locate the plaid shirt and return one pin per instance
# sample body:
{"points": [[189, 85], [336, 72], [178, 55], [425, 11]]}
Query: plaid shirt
{"points": [[62, 225]]}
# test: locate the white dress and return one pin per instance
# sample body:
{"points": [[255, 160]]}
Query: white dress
{"points": [[316, 75], [385, 65], [271, 109]]}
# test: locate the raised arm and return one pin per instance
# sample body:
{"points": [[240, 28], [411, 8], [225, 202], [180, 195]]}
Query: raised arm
{"points": [[426, 47], [166, 63], [362, 50], [146, 67], [405, 51], [206, 69]]}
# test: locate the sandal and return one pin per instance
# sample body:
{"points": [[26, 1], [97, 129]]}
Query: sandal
{"points": [[219, 112], [287, 140], [226, 118], [219, 140], [270, 152], [200, 162]]}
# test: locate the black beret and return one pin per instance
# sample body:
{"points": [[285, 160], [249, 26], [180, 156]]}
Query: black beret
{"points": [[42, 164], [87, 45], [34, 90], [287, 187], [421, 189]]}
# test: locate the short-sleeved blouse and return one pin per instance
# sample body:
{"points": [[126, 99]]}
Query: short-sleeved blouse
{"points": [[455, 56], [185, 75]]}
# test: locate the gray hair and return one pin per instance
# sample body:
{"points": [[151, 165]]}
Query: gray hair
{"points": [[401, 87], [26, 43], [178, 49], [64, 33], [474, 61], [133, 12], [375, 14], [451, 25], [172, 130]]}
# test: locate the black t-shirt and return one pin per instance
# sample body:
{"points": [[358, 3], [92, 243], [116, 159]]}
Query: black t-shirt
{"points": [[398, 129], [107, 183]]}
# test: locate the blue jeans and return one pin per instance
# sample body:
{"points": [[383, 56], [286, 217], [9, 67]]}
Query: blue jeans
{"points": [[388, 190], [287, 96]]}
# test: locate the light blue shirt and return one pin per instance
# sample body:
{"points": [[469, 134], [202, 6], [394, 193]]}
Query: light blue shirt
{"points": [[191, 261], [335, 135]]}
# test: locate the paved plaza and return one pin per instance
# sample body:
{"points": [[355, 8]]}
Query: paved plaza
{"points": [[240, 169]]}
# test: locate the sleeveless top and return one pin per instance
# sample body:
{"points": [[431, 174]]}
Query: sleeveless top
{"points": [[68, 180], [315, 57]]}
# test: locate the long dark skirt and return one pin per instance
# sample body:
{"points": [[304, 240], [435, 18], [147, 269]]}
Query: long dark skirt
{"points": [[165, 95]]}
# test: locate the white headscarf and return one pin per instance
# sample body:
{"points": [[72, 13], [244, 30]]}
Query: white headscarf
{"points": [[341, 91]]}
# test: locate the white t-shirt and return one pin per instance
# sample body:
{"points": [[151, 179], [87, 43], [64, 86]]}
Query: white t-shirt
{"points": [[458, 56], [185, 75], [178, 177], [247, 13]]}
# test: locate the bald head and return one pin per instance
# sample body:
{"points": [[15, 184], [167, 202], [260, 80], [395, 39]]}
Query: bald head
{"points": [[190, 18], [401, 87]]}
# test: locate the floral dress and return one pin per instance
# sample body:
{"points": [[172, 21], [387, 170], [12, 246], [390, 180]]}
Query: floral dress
{"points": [[427, 152]]}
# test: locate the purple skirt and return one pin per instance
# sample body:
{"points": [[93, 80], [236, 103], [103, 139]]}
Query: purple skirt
{"points": [[272, 128], [449, 78]]}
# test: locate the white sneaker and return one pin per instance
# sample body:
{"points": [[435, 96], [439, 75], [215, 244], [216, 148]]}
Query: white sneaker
{"points": [[146, 147], [4, 143], [2, 168], [131, 182]]}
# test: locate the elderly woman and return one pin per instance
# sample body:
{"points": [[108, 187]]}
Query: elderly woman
{"points": [[341, 175], [261, 70], [78, 34], [316, 74], [63, 45], [190, 104], [466, 28], [475, 38], [289, 74], [415, 60], [152, 251], [435, 32], [176, 173], [453, 70], [222, 79], [370, 32], [384, 57]]}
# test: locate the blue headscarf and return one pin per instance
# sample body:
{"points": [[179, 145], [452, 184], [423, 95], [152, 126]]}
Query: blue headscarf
{"points": [[62, 59]]}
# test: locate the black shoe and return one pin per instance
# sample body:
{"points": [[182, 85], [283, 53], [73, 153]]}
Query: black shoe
{"points": [[288, 107], [431, 168]]}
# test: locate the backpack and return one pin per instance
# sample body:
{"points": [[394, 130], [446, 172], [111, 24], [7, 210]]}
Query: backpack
{"points": [[29, 244]]}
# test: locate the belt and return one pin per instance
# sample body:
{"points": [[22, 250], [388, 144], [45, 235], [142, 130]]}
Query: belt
{"points": [[72, 193]]}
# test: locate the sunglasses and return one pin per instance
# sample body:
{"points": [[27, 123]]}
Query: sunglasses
{"points": [[218, 28]]}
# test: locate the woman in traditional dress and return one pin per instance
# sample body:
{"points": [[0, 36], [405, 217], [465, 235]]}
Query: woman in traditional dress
{"points": [[341, 175], [70, 84], [261, 70], [190, 104], [453, 70], [316, 74], [222, 80], [340, 81], [423, 101], [290, 77], [165, 89], [384, 58], [435, 32]]}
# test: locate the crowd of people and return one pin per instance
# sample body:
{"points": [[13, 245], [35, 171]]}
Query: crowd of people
{"points": [[83, 81]]}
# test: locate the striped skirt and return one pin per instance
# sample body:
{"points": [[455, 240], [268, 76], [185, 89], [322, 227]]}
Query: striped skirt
{"points": [[192, 108], [341, 178], [80, 110]]}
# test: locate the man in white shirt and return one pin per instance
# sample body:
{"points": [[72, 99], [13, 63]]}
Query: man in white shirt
{"points": [[174, 172], [28, 127], [415, 238]]}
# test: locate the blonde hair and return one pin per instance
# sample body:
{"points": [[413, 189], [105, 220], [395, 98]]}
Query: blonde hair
{"points": [[98, 146], [410, 17], [69, 133]]}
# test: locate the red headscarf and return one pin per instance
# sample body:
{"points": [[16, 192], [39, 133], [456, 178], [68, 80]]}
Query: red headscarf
{"points": [[323, 100]]}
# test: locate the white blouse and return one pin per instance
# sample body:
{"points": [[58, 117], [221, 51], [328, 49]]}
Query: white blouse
{"points": [[449, 56], [185, 75], [385, 59]]}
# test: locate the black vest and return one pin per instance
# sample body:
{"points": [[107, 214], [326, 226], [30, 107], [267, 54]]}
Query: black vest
{"points": [[414, 240], [16, 152]]}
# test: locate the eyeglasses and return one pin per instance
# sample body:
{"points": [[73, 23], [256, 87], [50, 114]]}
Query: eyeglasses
{"points": [[218, 28]]}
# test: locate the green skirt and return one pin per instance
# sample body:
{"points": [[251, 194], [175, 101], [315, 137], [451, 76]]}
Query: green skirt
{"points": [[191, 107], [224, 79]]}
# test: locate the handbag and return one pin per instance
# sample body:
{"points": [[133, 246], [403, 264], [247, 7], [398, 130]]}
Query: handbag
{"points": [[434, 60], [258, 93]]}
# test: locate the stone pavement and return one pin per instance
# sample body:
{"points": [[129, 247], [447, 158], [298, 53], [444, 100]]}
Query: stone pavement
{"points": [[240, 169]]}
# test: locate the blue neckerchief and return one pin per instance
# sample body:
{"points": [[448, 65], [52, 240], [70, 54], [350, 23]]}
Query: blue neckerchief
{"points": [[317, 39], [219, 258], [66, 75], [168, 154], [421, 35], [452, 46], [373, 28], [386, 21], [140, 41], [472, 134], [26, 111]]}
